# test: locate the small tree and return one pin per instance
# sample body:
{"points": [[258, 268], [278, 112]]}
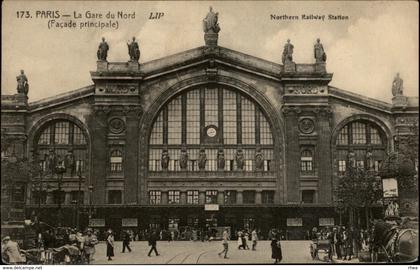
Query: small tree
{"points": [[358, 188]]}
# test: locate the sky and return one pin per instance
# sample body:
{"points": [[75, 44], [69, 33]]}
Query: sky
{"points": [[364, 52]]}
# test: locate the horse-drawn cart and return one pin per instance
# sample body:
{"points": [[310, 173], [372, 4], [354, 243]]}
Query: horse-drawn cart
{"points": [[320, 245]]}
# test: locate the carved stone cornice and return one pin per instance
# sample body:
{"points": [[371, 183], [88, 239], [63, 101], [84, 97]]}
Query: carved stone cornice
{"points": [[133, 110], [291, 110], [101, 109]]}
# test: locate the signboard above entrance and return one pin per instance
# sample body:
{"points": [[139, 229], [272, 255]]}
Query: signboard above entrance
{"points": [[129, 222], [211, 207], [294, 222], [96, 222]]}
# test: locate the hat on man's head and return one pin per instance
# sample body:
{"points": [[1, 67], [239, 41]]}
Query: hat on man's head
{"points": [[7, 238]]}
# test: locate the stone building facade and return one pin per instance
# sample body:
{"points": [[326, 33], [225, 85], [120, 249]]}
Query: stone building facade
{"points": [[205, 137]]}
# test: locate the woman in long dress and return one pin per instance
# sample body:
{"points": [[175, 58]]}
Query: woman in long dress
{"points": [[276, 253], [110, 245]]}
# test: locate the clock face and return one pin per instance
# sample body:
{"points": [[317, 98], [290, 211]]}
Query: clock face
{"points": [[211, 132]]}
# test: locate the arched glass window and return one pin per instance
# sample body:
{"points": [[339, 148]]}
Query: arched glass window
{"points": [[61, 142], [365, 141], [211, 124]]}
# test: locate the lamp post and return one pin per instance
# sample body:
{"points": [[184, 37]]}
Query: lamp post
{"points": [[90, 200], [41, 175], [79, 174], [60, 170]]}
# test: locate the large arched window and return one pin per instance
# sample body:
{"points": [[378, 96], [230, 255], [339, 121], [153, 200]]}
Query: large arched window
{"points": [[61, 142], [223, 127], [365, 141]]}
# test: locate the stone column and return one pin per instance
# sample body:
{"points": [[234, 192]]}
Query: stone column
{"points": [[50, 199], [202, 197], [239, 197], [131, 156], [220, 197], [164, 197], [67, 198], [183, 197], [258, 197]]}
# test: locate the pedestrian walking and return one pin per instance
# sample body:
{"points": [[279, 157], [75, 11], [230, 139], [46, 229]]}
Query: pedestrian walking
{"points": [[126, 241], [110, 245], [240, 242], [254, 238], [245, 237], [347, 245], [152, 242], [276, 253], [90, 241], [225, 243]]}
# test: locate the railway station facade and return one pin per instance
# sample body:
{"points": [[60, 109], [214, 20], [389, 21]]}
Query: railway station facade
{"points": [[205, 137]]}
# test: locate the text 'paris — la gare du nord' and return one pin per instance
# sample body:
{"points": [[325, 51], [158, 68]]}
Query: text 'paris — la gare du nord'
{"points": [[56, 14]]}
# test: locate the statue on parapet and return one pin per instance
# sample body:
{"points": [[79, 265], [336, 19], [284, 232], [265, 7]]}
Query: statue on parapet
{"points": [[319, 53], [287, 53], [210, 23], [102, 52], [397, 86], [134, 50], [22, 83]]}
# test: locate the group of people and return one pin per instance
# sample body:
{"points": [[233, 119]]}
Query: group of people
{"points": [[244, 236], [345, 243]]}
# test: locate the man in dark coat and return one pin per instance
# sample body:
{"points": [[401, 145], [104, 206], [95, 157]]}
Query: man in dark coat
{"points": [[152, 242], [338, 241], [126, 241]]}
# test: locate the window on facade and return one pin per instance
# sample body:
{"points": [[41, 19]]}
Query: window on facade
{"points": [[308, 196], [174, 121], [173, 196], [182, 123], [229, 117], [343, 136], [193, 117], [211, 196], [267, 197], [192, 197], [248, 197], [66, 141], [360, 137], [230, 197], [18, 194], [40, 197], [154, 197], [341, 166], [116, 161], [359, 133], [76, 195], [114, 197], [306, 161], [248, 121], [58, 197]]}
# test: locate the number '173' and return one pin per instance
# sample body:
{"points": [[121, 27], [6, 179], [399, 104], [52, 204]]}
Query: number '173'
{"points": [[23, 14]]}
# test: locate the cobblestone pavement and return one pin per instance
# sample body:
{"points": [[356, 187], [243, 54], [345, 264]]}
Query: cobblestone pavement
{"points": [[186, 252]]}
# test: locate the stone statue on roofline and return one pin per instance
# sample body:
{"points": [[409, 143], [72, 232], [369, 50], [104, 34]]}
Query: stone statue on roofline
{"points": [[319, 53], [202, 159], [102, 52], [134, 50], [164, 160], [287, 53], [22, 83], [210, 23], [183, 160], [397, 86]]}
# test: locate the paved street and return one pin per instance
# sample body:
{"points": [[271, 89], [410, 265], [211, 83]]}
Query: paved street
{"points": [[185, 252]]}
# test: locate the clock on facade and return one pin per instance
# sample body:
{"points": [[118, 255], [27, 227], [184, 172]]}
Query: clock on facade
{"points": [[211, 132]]}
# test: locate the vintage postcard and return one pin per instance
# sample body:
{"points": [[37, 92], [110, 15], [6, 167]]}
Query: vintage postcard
{"points": [[199, 132]]}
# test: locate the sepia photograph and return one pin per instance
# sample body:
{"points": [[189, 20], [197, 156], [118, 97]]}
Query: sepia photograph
{"points": [[209, 133]]}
